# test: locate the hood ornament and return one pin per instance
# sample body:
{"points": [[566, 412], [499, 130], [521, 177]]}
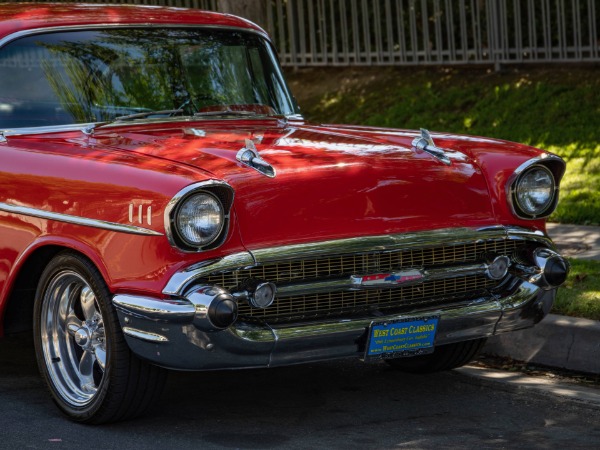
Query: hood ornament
{"points": [[89, 130], [194, 132], [249, 156], [425, 143]]}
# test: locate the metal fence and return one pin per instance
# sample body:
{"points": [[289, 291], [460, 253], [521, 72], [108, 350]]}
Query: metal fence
{"points": [[417, 32]]}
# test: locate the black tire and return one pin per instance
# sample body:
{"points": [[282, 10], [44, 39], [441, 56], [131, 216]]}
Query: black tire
{"points": [[444, 357], [82, 355]]}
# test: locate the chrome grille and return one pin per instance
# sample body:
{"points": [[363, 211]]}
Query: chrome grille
{"points": [[330, 304], [296, 270]]}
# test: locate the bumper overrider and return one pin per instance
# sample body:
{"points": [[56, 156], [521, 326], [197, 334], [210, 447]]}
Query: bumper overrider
{"points": [[312, 302]]}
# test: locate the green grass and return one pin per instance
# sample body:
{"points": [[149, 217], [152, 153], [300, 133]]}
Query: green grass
{"points": [[555, 109], [580, 296]]}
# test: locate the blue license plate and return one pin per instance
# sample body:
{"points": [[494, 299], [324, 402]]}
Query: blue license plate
{"points": [[402, 337]]}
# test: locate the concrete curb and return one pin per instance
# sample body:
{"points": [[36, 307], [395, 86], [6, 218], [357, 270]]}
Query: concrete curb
{"points": [[558, 341], [576, 241]]}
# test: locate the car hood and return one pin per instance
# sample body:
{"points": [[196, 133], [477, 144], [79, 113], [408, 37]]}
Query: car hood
{"points": [[329, 183]]}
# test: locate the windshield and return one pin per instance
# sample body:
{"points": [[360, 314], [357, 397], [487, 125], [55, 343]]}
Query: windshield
{"points": [[101, 75]]}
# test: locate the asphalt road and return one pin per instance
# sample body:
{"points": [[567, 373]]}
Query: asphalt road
{"points": [[328, 405]]}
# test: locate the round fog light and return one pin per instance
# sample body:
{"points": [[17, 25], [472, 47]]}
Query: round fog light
{"points": [[498, 268], [263, 296]]}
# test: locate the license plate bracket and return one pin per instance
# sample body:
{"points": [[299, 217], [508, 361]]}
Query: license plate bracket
{"points": [[401, 338]]}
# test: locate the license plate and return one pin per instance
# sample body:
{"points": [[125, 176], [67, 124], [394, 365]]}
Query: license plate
{"points": [[410, 336]]}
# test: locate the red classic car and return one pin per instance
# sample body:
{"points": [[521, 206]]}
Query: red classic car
{"points": [[164, 205]]}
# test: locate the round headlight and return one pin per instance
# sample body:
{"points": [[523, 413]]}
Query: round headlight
{"points": [[535, 191], [199, 219]]}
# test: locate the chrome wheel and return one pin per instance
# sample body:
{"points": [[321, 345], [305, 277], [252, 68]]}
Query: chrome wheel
{"points": [[73, 339], [91, 374]]}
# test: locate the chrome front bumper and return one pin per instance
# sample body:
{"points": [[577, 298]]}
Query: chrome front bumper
{"points": [[177, 344], [177, 331]]}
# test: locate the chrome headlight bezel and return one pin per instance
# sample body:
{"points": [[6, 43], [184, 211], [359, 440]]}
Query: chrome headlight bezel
{"points": [[218, 191], [551, 165]]}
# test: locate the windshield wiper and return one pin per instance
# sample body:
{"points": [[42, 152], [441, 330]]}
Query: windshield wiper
{"points": [[225, 112], [142, 115], [91, 128]]}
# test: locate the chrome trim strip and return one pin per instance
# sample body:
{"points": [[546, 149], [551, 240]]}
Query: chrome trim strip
{"points": [[182, 279], [94, 223], [47, 129], [145, 335], [173, 310]]}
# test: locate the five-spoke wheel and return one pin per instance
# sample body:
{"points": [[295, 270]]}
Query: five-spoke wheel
{"points": [[91, 373], [73, 337]]}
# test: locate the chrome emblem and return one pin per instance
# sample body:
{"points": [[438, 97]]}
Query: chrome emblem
{"points": [[387, 279]]}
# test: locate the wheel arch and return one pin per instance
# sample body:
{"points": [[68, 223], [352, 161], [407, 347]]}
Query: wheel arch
{"points": [[16, 303]]}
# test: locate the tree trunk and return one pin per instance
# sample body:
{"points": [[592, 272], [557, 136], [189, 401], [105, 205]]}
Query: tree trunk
{"points": [[254, 10]]}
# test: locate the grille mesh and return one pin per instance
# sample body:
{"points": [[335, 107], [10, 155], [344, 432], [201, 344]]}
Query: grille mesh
{"points": [[429, 293], [331, 304]]}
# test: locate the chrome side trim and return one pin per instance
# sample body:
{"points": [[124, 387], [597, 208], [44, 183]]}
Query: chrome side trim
{"points": [[94, 223], [47, 129], [173, 310], [145, 335], [182, 279]]}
